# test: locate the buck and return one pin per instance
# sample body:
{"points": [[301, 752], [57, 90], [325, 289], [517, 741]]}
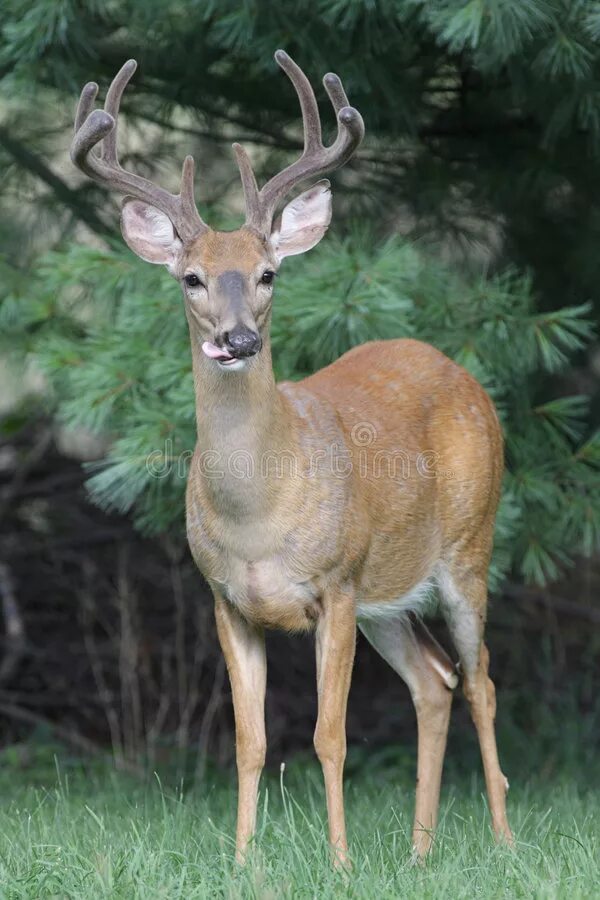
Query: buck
{"points": [[327, 537]]}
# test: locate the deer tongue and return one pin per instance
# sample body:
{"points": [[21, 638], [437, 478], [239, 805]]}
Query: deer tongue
{"points": [[214, 352]]}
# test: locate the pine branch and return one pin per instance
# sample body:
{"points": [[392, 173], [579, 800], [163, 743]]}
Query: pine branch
{"points": [[31, 162]]}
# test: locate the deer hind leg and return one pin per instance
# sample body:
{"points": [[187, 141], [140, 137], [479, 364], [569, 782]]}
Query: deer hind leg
{"points": [[464, 601], [410, 649]]}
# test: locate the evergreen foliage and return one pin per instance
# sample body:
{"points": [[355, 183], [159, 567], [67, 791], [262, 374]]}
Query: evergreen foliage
{"points": [[110, 334], [483, 148], [483, 116]]}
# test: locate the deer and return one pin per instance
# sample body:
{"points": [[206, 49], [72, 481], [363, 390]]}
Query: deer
{"points": [[324, 538]]}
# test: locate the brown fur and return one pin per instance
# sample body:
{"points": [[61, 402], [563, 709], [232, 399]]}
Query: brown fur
{"points": [[382, 469], [219, 251], [308, 502], [381, 534]]}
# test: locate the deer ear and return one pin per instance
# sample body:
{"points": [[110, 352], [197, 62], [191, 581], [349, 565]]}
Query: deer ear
{"points": [[303, 222], [149, 233]]}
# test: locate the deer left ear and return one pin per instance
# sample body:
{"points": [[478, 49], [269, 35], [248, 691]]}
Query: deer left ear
{"points": [[303, 222]]}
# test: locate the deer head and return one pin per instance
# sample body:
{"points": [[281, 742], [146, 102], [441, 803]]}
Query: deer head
{"points": [[226, 277]]}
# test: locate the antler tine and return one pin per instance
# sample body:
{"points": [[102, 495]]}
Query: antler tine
{"points": [[351, 128], [112, 105], [186, 192], [86, 103], [253, 209], [93, 126], [311, 120], [315, 159], [335, 91]]}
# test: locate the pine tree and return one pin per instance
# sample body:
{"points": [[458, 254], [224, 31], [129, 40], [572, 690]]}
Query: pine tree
{"points": [[483, 122], [111, 336], [483, 116]]}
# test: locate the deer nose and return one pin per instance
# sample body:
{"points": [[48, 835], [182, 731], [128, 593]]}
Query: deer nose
{"points": [[242, 341]]}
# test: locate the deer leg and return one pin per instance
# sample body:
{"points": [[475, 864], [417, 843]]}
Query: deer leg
{"points": [[335, 644], [244, 651], [464, 601], [412, 651]]}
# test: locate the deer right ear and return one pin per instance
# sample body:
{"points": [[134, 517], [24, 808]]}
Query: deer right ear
{"points": [[149, 233], [303, 222]]}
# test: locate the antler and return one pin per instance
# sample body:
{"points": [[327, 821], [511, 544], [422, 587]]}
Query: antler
{"points": [[316, 158], [97, 126]]}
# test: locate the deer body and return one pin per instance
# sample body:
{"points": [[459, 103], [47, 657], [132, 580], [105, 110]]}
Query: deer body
{"points": [[319, 508], [345, 497]]}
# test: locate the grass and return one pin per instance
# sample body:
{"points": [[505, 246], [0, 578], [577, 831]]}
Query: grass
{"points": [[78, 832]]}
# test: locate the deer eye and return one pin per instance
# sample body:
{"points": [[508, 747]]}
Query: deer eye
{"points": [[267, 277], [192, 280]]}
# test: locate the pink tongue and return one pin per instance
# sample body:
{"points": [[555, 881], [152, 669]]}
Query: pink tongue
{"points": [[215, 352]]}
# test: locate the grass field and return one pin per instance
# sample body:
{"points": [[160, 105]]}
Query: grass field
{"points": [[68, 831]]}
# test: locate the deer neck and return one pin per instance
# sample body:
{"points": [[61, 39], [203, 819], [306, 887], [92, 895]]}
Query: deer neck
{"points": [[242, 423]]}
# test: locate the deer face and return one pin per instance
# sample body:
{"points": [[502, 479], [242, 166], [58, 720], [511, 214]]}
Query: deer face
{"points": [[228, 277]]}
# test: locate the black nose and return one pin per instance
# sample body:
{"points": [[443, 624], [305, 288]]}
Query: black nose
{"points": [[241, 342]]}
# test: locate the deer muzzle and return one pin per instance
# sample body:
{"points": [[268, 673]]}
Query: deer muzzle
{"points": [[242, 342]]}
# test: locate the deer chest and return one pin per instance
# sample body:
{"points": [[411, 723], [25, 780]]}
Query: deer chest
{"points": [[268, 580], [266, 593]]}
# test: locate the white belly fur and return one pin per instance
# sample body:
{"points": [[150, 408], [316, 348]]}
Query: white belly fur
{"points": [[420, 599]]}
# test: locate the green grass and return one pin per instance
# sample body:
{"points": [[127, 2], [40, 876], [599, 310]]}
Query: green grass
{"points": [[66, 831]]}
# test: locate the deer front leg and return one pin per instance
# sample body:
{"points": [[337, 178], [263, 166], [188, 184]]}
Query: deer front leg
{"points": [[243, 647], [336, 639]]}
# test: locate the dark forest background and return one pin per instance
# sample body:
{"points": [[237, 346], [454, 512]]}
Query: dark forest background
{"points": [[469, 218]]}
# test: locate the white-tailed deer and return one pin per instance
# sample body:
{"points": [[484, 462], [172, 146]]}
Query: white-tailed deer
{"points": [[346, 496]]}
